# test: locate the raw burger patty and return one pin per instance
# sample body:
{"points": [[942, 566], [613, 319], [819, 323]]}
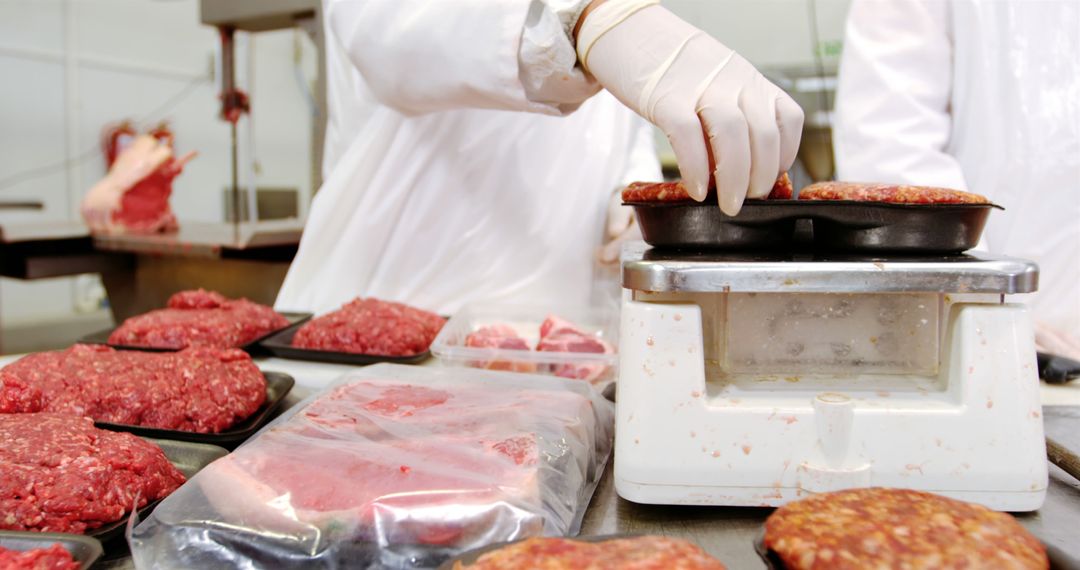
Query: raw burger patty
{"points": [[639, 553], [55, 557], [898, 528], [59, 473], [890, 193], [371, 326], [676, 192], [204, 390], [199, 317]]}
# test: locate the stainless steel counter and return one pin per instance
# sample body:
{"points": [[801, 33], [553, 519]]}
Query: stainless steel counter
{"points": [[728, 532]]}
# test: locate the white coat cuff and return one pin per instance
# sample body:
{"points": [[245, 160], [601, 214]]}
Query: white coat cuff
{"points": [[547, 60]]}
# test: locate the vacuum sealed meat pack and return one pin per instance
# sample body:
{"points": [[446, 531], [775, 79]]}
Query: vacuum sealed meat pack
{"points": [[392, 467]]}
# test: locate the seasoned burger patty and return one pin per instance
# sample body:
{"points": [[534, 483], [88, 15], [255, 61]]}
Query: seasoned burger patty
{"points": [[55, 557], [371, 326], [898, 528], [639, 553], [889, 193], [204, 390], [199, 318], [676, 192], [59, 473]]}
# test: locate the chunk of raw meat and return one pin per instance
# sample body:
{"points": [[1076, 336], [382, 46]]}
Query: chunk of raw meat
{"points": [[199, 318], [499, 337], [371, 326], [58, 473], [204, 390], [560, 335]]}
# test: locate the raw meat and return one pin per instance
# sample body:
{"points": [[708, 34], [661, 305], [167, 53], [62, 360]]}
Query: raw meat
{"points": [[889, 193], [59, 473], [371, 326], [400, 463], [204, 390], [676, 192], [144, 208], [199, 318], [635, 553], [560, 335], [897, 528], [499, 337], [54, 557]]}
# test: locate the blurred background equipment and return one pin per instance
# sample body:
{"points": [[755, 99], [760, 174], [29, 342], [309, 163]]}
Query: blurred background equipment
{"points": [[78, 66]]}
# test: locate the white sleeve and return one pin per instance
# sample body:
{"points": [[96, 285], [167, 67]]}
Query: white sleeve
{"points": [[421, 56], [892, 102]]}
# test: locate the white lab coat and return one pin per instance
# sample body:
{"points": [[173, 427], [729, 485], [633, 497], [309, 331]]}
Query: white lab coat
{"points": [[981, 95], [438, 190]]}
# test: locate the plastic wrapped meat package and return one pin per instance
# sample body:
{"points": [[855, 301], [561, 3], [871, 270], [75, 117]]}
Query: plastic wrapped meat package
{"points": [[392, 467]]}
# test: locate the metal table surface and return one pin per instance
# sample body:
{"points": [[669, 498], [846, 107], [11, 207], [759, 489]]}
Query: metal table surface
{"points": [[212, 241]]}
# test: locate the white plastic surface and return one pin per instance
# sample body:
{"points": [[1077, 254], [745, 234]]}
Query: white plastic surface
{"points": [[973, 431], [450, 347]]}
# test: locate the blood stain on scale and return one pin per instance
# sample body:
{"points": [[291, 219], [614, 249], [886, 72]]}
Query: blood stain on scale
{"points": [[649, 341], [677, 317], [716, 453], [989, 403], [695, 394], [746, 449]]}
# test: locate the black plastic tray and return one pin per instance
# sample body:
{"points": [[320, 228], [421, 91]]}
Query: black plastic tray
{"points": [[280, 344], [278, 386], [834, 225], [102, 336], [84, 549], [1058, 559]]}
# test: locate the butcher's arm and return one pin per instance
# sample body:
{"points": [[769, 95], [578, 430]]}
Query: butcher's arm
{"points": [[892, 105], [421, 56]]}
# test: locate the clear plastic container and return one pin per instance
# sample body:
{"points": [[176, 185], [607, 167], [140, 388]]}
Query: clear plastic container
{"points": [[597, 322]]}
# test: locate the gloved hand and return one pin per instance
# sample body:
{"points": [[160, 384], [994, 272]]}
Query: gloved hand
{"points": [[1054, 341], [621, 226], [705, 97]]}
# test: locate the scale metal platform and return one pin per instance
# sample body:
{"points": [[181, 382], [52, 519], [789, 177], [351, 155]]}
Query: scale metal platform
{"points": [[752, 379]]}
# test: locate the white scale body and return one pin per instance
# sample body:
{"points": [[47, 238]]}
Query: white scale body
{"points": [[754, 381]]}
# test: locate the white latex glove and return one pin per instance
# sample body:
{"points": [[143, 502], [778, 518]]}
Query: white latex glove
{"points": [[697, 91], [145, 155], [621, 226]]}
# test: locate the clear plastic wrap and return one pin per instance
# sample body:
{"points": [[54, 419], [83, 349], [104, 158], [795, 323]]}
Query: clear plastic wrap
{"points": [[392, 467]]}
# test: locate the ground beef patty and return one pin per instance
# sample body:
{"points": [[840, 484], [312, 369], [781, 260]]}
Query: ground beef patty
{"points": [[200, 389], [199, 318], [371, 326], [889, 193], [54, 557], [59, 473], [676, 192], [898, 528], [638, 553]]}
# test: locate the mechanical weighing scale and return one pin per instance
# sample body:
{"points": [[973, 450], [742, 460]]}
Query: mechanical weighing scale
{"points": [[753, 379]]}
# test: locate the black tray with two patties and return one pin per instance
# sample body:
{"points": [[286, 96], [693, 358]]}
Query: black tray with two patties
{"points": [[824, 225], [102, 336], [278, 386]]}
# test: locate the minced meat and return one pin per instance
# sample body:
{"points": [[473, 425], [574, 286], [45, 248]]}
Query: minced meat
{"points": [[200, 389], [55, 557], [199, 317], [58, 473], [371, 326]]}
